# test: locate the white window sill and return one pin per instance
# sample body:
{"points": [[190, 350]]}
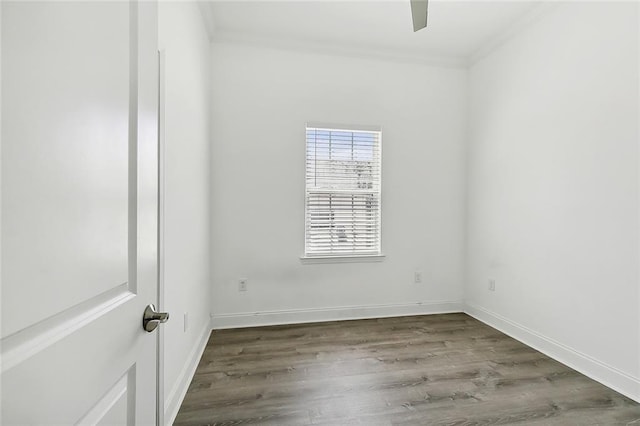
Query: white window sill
{"points": [[342, 259]]}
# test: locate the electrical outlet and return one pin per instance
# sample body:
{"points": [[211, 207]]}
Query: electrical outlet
{"points": [[186, 321], [492, 284], [417, 277], [242, 284]]}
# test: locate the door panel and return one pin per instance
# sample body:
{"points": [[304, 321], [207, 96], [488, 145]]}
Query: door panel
{"points": [[66, 216], [79, 212]]}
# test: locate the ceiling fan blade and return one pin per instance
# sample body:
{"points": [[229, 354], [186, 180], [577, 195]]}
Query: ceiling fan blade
{"points": [[419, 14]]}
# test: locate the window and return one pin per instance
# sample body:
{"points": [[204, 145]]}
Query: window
{"points": [[343, 179]]}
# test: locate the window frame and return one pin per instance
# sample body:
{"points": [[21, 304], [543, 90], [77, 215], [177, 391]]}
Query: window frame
{"points": [[378, 256]]}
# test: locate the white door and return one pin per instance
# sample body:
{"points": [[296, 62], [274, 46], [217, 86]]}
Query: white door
{"points": [[79, 212]]}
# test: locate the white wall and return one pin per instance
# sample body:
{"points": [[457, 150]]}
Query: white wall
{"points": [[183, 38], [553, 189], [262, 99]]}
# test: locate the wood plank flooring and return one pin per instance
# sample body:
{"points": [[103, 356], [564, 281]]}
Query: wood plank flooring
{"points": [[422, 370]]}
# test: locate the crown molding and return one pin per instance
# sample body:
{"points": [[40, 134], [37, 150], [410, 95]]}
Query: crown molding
{"points": [[206, 10], [345, 49], [530, 17], [219, 35]]}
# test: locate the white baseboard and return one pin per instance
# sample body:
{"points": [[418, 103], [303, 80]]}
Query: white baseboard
{"points": [[590, 367], [179, 390], [298, 316]]}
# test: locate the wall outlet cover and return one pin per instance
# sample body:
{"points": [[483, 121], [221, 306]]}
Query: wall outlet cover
{"points": [[242, 284], [492, 284]]}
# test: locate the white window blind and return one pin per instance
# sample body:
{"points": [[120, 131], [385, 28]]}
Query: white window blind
{"points": [[343, 182]]}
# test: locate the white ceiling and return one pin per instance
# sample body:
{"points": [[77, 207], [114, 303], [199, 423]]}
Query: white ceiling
{"points": [[456, 29]]}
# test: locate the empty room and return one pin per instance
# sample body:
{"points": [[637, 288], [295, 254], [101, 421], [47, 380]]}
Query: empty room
{"points": [[304, 212]]}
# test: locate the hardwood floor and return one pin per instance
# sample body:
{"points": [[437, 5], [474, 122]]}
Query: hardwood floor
{"points": [[422, 370]]}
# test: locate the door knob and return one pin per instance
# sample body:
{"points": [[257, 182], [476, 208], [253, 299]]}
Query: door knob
{"points": [[151, 318]]}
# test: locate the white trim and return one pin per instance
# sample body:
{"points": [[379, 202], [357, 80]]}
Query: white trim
{"points": [[160, 389], [336, 49], [22, 345], [517, 26], [300, 316], [1, 354], [106, 403], [206, 10], [306, 260], [538, 10], [638, 182], [344, 127], [585, 364], [176, 396]]}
